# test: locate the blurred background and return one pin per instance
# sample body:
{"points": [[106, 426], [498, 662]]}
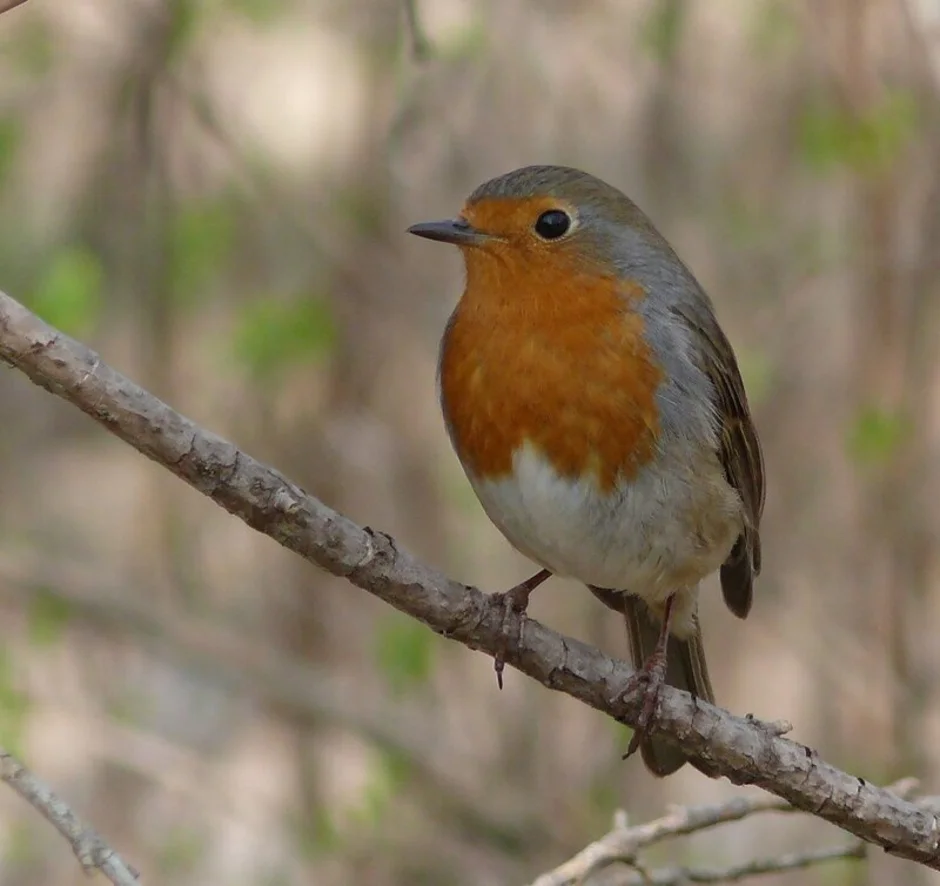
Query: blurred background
{"points": [[213, 193]]}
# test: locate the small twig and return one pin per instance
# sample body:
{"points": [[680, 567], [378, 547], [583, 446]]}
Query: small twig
{"points": [[791, 862], [417, 39], [90, 849], [623, 842]]}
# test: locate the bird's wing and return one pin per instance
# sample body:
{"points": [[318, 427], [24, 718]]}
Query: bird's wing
{"points": [[740, 451]]}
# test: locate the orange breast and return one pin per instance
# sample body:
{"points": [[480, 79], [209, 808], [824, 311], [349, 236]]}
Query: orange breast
{"points": [[564, 368]]}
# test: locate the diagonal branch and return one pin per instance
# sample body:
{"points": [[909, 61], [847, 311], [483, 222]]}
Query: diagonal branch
{"points": [[793, 861], [7, 5], [624, 842], [90, 849], [743, 750]]}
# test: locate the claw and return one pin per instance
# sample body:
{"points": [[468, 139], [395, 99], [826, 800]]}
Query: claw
{"points": [[653, 675], [515, 601]]}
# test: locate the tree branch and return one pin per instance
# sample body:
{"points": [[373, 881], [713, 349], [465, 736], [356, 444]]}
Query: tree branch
{"points": [[743, 750], [793, 861], [623, 844], [7, 5], [90, 849]]}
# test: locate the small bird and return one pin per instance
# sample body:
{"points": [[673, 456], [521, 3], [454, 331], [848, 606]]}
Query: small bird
{"points": [[598, 411]]}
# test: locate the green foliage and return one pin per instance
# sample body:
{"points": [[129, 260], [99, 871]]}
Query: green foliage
{"points": [[14, 706], [69, 295], [876, 434], [464, 44], [32, 52], [273, 334], [184, 18], [324, 831], [11, 131], [385, 783], [201, 239], [404, 652], [261, 12], [49, 615], [21, 849], [180, 852], [833, 137], [662, 29], [775, 27], [319, 835]]}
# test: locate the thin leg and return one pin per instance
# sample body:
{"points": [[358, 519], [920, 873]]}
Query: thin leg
{"points": [[653, 675], [515, 601]]}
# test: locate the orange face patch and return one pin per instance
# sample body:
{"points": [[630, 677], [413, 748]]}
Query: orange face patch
{"points": [[542, 351], [508, 217]]}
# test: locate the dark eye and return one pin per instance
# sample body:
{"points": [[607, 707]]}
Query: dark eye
{"points": [[552, 224]]}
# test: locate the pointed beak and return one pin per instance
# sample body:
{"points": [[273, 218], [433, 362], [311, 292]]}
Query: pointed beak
{"points": [[451, 230]]}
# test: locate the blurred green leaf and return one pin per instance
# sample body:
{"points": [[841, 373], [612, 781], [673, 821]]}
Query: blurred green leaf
{"points": [[833, 137], [21, 848], [201, 239], [404, 652], [69, 295], [876, 435], [261, 12], [32, 52], [14, 706], [11, 131], [273, 334], [184, 17], [464, 44], [399, 767], [383, 785], [317, 834], [181, 851], [775, 27], [48, 617], [662, 28]]}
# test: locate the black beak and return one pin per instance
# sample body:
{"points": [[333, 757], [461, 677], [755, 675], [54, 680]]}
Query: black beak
{"points": [[451, 230]]}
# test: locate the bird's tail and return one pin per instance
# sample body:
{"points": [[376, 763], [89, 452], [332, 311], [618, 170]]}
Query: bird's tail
{"points": [[686, 669]]}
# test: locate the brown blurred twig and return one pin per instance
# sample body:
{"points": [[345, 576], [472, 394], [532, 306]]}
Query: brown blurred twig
{"points": [[744, 750], [91, 850], [7, 5], [623, 843]]}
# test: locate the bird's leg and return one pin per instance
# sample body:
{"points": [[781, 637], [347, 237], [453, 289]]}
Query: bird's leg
{"points": [[515, 601], [653, 675]]}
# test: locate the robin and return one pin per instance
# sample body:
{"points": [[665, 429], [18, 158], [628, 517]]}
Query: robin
{"points": [[598, 411]]}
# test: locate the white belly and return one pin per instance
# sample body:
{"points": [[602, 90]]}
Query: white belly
{"points": [[660, 532]]}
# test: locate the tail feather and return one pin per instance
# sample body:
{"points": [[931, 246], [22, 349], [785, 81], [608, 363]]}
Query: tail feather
{"points": [[686, 669]]}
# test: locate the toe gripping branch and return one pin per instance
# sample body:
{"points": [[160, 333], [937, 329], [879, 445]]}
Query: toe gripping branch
{"points": [[514, 603]]}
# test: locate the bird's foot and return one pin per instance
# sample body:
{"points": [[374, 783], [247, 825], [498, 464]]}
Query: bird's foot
{"points": [[649, 680], [514, 602]]}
